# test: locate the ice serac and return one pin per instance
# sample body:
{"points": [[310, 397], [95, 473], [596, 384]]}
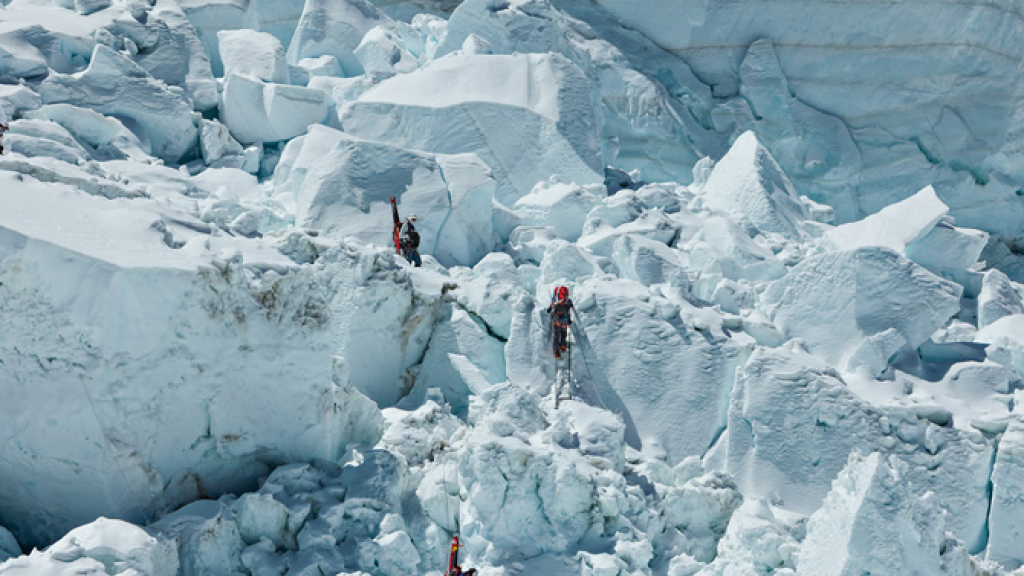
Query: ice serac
{"points": [[858, 308], [756, 542], [1005, 338], [462, 360], [116, 86], [490, 291], [238, 358], [257, 111], [562, 206], [37, 36], [807, 142], [872, 522], [17, 99], [341, 185], [107, 138], [1000, 297], [895, 227], [527, 116], [1006, 515], [748, 183], [725, 254], [251, 53], [38, 138], [334, 28], [89, 549], [169, 49], [305, 519], [793, 422], [516, 26], [216, 143], [62, 36], [382, 55], [207, 536], [209, 17], [949, 250], [654, 111], [648, 262]]}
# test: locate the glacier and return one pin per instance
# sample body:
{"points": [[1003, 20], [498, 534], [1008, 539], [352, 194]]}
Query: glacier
{"points": [[791, 231]]}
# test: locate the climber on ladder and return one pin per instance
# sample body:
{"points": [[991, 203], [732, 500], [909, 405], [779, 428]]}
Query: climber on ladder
{"points": [[560, 309], [453, 561]]}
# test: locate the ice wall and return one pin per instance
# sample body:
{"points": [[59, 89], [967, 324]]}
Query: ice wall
{"points": [[174, 364], [527, 116], [890, 80]]}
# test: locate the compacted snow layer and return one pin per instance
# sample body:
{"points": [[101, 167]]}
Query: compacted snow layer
{"points": [[750, 388]]}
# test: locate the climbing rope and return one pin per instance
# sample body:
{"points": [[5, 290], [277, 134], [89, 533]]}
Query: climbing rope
{"points": [[444, 484], [579, 325], [590, 377], [569, 346], [103, 433]]}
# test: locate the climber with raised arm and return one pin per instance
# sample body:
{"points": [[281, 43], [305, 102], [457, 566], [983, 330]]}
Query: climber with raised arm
{"points": [[560, 310], [407, 239], [453, 561]]}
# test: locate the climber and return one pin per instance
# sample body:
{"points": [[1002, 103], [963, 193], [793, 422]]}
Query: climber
{"points": [[3, 128], [407, 239], [559, 310], [453, 561]]}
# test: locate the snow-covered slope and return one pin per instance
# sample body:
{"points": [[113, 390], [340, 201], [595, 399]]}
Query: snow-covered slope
{"points": [[790, 230]]}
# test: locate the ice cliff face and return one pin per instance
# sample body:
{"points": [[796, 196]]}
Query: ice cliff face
{"points": [[877, 103], [789, 231]]}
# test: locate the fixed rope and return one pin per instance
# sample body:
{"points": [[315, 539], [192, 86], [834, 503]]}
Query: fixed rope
{"points": [[103, 433], [590, 376], [444, 483]]}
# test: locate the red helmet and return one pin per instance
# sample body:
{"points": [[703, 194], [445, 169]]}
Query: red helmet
{"points": [[562, 293]]}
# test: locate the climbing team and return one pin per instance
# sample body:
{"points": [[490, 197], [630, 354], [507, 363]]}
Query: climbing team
{"points": [[407, 243], [3, 128], [407, 239], [560, 309]]}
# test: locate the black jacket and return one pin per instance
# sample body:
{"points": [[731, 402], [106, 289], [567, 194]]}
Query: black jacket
{"points": [[560, 312], [409, 236]]}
